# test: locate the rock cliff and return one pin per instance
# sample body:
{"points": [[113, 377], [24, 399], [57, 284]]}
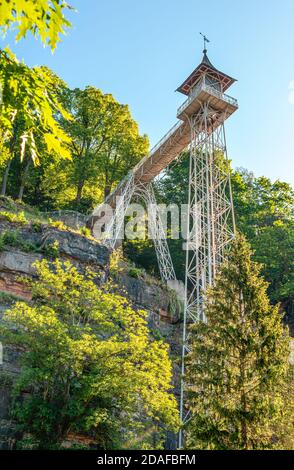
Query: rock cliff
{"points": [[22, 242]]}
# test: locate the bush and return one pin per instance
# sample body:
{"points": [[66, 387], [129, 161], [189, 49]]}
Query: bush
{"points": [[13, 238], [136, 273], [86, 232], [52, 250], [14, 218]]}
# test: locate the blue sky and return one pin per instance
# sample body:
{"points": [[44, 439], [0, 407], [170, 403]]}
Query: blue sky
{"points": [[140, 51]]}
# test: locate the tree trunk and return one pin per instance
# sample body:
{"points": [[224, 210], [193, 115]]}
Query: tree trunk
{"points": [[79, 192], [5, 178], [8, 164], [244, 433], [23, 179], [107, 190]]}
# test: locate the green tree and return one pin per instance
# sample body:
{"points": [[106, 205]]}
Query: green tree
{"points": [[44, 18], [105, 141], [264, 214], [259, 202], [283, 430], [274, 249], [25, 177], [239, 361], [88, 363], [28, 113], [28, 104]]}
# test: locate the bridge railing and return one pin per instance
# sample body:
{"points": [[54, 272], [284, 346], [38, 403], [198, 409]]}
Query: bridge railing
{"points": [[166, 137], [157, 146]]}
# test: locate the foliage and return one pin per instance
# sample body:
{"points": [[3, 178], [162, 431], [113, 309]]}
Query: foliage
{"points": [[8, 299], [239, 361], [52, 250], [44, 18], [86, 232], [59, 225], [13, 238], [32, 214], [283, 430], [105, 142], [259, 202], [30, 105], [116, 262], [136, 273], [19, 218], [264, 213], [274, 249], [89, 363]]}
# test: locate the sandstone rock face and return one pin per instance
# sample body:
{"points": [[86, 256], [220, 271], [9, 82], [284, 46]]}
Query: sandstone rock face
{"points": [[11, 285], [162, 321], [145, 295], [71, 219], [18, 262], [77, 246]]}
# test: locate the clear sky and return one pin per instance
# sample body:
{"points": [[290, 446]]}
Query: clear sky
{"points": [[140, 51]]}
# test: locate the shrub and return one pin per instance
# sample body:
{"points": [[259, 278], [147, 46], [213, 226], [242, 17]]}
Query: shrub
{"points": [[136, 273], [14, 218], [13, 238]]}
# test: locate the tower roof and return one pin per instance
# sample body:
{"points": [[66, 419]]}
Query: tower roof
{"points": [[205, 67]]}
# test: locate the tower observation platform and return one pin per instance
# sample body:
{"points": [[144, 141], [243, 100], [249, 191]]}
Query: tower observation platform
{"points": [[206, 84]]}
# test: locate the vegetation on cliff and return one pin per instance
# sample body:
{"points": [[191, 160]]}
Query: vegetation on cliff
{"points": [[89, 364]]}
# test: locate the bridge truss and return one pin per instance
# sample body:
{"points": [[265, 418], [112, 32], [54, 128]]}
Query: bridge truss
{"points": [[140, 191]]}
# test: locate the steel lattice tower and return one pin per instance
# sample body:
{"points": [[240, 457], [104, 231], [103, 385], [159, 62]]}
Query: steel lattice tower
{"points": [[210, 221], [211, 224]]}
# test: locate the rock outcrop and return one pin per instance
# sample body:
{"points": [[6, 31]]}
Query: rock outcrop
{"points": [[30, 244], [77, 247]]}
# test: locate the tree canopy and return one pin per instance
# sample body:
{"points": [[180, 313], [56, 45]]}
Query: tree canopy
{"points": [[105, 143], [89, 363], [29, 103], [29, 97], [28, 114], [43, 18], [238, 364]]}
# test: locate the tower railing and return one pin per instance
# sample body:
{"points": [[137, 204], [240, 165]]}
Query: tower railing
{"points": [[212, 91]]}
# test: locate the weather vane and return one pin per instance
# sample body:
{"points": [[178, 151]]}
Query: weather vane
{"points": [[205, 40]]}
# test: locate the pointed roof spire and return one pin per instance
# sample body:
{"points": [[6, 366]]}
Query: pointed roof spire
{"points": [[206, 60], [205, 67], [205, 41]]}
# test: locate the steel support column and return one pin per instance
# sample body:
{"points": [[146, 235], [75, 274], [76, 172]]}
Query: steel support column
{"points": [[211, 224]]}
